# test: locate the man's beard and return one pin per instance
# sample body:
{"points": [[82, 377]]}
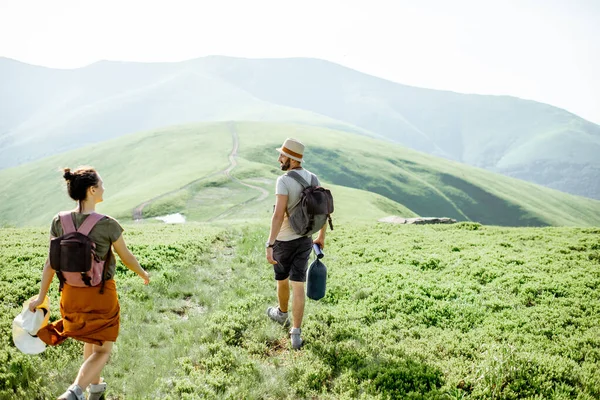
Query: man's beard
{"points": [[286, 165]]}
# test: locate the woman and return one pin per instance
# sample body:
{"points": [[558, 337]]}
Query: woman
{"points": [[88, 314]]}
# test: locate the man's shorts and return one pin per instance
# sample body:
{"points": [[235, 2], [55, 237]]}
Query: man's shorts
{"points": [[292, 259]]}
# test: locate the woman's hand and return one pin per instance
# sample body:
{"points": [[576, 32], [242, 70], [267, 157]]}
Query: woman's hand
{"points": [[145, 276], [33, 304]]}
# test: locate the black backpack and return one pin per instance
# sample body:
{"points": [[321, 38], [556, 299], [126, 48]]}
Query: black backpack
{"points": [[73, 255], [313, 209]]}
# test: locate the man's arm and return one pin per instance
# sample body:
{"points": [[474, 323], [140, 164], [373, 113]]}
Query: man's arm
{"points": [[320, 240], [276, 221]]}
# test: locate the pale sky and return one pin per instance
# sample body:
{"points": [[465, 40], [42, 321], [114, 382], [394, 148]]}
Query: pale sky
{"points": [[543, 50]]}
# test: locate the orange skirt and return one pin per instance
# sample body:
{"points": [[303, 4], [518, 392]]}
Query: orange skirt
{"points": [[87, 316]]}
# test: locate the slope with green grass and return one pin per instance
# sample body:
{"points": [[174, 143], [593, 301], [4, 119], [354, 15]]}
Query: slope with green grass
{"points": [[429, 186], [177, 169], [134, 168]]}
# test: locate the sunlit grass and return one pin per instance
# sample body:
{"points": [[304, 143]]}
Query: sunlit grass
{"points": [[460, 311]]}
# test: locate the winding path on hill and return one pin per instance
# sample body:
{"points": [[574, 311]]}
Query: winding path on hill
{"points": [[138, 211], [233, 163]]}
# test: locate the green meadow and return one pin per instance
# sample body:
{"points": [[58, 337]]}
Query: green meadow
{"points": [[460, 311]]}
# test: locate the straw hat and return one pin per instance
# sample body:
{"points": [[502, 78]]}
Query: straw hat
{"points": [[26, 325], [292, 148]]}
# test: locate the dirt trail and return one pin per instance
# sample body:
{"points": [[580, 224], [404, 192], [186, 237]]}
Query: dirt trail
{"points": [[233, 163], [138, 211]]}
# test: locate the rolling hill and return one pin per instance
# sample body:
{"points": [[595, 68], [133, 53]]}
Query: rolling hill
{"points": [[46, 111], [182, 169]]}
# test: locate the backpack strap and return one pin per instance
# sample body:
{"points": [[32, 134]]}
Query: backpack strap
{"points": [[66, 221], [298, 178], [104, 267], [89, 223]]}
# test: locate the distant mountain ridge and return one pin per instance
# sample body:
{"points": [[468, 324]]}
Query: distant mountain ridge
{"points": [[45, 111]]}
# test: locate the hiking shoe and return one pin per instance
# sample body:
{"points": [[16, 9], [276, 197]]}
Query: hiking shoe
{"points": [[74, 392], [280, 317], [296, 339], [96, 392]]}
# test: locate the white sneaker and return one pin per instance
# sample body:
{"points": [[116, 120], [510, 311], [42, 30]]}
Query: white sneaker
{"points": [[280, 317], [96, 392], [74, 392]]}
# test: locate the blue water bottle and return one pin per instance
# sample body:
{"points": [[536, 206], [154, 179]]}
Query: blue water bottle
{"points": [[316, 278], [318, 251]]}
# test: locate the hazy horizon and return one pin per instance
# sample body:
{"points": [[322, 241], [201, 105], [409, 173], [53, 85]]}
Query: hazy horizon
{"points": [[546, 51]]}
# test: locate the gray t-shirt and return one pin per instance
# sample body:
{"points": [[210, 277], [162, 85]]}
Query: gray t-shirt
{"points": [[288, 186]]}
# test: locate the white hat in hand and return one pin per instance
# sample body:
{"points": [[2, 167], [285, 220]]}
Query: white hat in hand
{"points": [[26, 325]]}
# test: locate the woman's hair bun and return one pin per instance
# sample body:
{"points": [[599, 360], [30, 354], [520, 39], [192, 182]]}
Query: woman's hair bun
{"points": [[67, 174]]}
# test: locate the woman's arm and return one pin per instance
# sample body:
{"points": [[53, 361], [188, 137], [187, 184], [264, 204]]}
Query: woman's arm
{"points": [[47, 275], [129, 259]]}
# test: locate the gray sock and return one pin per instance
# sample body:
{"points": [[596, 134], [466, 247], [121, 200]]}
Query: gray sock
{"points": [[296, 339]]}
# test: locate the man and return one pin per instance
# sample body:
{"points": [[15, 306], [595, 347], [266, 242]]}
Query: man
{"points": [[285, 249]]}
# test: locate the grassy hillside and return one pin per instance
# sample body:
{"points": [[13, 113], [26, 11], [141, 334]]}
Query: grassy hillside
{"points": [[411, 312], [181, 169], [427, 185], [49, 111], [218, 198], [134, 168]]}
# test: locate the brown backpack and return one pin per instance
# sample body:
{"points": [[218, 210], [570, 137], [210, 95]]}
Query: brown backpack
{"points": [[73, 255]]}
